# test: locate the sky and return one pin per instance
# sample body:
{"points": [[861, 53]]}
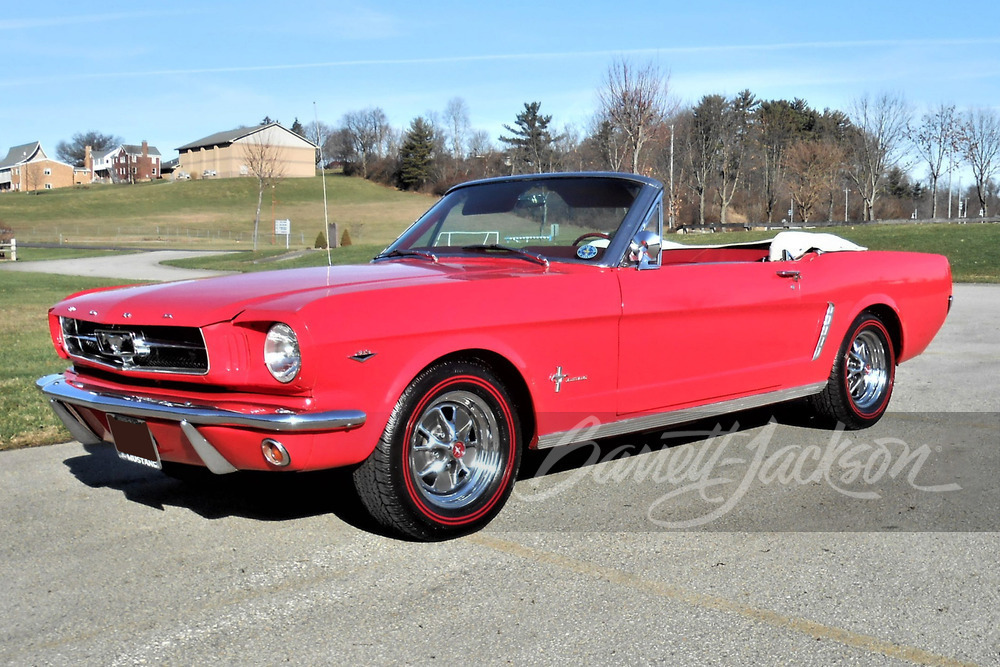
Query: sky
{"points": [[172, 73]]}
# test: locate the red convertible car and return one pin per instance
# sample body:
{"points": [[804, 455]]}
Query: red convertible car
{"points": [[513, 313]]}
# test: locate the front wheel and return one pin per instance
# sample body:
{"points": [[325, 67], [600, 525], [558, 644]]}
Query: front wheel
{"points": [[448, 458], [860, 384]]}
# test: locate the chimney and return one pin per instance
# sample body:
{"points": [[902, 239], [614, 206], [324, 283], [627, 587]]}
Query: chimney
{"points": [[88, 158], [145, 148]]}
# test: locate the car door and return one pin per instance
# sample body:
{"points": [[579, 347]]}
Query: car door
{"points": [[704, 332]]}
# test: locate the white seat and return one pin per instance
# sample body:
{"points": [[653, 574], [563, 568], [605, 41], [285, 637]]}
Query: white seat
{"points": [[794, 245]]}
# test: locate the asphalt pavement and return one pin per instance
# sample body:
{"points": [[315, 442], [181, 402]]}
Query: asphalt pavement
{"points": [[757, 539]]}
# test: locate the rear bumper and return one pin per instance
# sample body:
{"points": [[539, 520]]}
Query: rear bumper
{"points": [[64, 395]]}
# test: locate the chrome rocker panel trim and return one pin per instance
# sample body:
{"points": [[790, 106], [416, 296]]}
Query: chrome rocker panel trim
{"points": [[650, 422]]}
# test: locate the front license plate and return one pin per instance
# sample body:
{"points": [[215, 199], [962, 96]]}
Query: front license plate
{"points": [[133, 441]]}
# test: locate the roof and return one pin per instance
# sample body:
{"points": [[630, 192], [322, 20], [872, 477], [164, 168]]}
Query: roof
{"points": [[133, 149], [231, 136], [19, 154]]}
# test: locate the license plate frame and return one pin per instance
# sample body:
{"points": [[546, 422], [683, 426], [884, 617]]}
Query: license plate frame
{"points": [[134, 442]]}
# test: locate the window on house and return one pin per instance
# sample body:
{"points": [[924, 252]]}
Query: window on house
{"points": [[48, 186], [48, 172]]}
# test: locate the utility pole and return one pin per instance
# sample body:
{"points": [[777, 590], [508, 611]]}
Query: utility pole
{"points": [[670, 218], [846, 190]]}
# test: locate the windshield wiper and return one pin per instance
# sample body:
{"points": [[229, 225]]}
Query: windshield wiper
{"points": [[406, 252], [497, 248]]}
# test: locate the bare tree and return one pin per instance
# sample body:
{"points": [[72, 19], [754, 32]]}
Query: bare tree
{"points": [[368, 133], [934, 140], [878, 144], [480, 144], [456, 118], [733, 144], [635, 101], [814, 169], [702, 133], [265, 162], [981, 146], [609, 142]]}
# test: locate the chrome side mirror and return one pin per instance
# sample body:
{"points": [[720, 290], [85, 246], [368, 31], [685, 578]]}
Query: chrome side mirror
{"points": [[645, 250]]}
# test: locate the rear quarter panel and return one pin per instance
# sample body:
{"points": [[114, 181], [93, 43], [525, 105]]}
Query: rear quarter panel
{"points": [[916, 287]]}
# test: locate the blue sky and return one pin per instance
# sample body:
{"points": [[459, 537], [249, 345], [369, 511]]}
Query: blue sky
{"points": [[174, 72]]}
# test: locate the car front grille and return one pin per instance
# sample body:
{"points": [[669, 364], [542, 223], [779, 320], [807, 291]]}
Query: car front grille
{"points": [[156, 349]]}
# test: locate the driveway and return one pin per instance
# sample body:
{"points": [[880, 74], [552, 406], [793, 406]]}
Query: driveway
{"points": [[135, 266]]}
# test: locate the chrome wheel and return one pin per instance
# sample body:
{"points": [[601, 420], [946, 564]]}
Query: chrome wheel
{"points": [[455, 450], [868, 370]]}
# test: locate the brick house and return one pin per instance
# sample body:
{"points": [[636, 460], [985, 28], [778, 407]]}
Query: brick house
{"points": [[226, 154], [126, 163], [27, 168]]}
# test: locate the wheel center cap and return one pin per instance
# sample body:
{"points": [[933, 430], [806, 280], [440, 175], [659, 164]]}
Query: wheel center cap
{"points": [[458, 450]]}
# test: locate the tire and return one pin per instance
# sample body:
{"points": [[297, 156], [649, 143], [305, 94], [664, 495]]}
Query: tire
{"points": [[448, 458], [861, 381]]}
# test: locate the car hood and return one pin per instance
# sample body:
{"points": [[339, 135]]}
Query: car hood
{"points": [[199, 303]]}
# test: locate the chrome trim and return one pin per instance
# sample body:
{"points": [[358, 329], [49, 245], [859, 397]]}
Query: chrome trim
{"points": [[209, 455], [55, 387], [80, 431], [126, 359], [827, 320], [663, 419]]}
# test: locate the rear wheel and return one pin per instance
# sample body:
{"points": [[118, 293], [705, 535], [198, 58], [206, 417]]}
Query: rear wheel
{"points": [[448, 458], [860, 384]]}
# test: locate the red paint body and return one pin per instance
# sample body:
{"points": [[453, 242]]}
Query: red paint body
{"points": [[699, 330]]}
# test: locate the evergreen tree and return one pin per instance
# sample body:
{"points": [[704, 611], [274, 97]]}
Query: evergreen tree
{"points": [[416, 155], [297, 128], [531, 143]]}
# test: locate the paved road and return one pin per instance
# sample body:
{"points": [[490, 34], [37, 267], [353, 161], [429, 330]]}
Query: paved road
{"points": [[136, 266], [657, 558]]}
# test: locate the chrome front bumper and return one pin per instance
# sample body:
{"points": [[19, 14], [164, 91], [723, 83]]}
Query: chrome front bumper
{"points": [[62, 393]]}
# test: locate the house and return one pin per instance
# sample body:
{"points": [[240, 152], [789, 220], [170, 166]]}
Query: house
{"points": [[231, 154], [126, 163], [27, 168]]}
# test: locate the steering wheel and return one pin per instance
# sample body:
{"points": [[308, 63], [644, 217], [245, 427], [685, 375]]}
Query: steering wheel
{"points": [[596, 235]]}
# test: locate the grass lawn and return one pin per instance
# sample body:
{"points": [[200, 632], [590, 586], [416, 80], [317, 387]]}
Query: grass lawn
{"points": [[26, 354], [211, 212]]}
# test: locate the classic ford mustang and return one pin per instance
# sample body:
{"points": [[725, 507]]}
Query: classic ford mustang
{"points": [[519, 312]]}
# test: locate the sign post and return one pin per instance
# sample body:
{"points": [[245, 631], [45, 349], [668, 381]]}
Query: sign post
{"points": [[283, 227]]}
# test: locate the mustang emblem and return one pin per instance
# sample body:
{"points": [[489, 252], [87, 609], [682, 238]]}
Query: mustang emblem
{"points": [[559, 377], [122, 344]]}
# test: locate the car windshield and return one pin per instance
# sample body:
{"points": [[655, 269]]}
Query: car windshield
{"points": [[563, 219]]}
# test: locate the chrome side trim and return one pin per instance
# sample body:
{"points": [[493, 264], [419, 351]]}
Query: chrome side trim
{"points": [[56, 388], [210, 456], [827, 320], [664, 419]]}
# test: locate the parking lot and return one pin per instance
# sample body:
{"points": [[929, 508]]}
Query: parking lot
{"points": [[757, 539]]}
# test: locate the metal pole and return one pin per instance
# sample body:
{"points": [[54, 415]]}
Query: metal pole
{"points": [[322, 178], [670, 219], [846, 190]]}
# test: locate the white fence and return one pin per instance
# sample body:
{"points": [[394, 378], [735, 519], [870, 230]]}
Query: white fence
{"points": [[8, 251]]}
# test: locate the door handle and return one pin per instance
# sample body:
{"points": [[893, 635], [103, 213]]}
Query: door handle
{"points": [[794, 275]]}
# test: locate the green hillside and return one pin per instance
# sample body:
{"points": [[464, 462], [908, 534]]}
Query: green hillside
{"points": [[215, 212]]}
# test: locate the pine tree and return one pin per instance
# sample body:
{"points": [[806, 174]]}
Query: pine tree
{"points": [[531, 143], [416, 155]]}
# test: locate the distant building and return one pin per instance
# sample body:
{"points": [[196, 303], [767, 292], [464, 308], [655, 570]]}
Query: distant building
{"points": [[27, 168], [226, 154], [126, 163]]}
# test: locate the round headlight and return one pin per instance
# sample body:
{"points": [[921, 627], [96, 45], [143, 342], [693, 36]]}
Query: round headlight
{"points": [[281, 353]]}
